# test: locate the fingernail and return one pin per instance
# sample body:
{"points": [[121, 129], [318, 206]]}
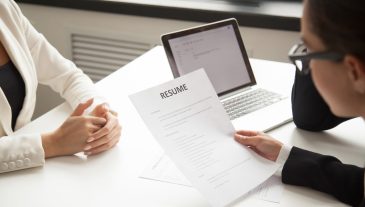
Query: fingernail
{"points": [[90, 139], [87, 148]]}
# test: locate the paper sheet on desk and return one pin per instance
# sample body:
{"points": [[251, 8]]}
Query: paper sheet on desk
{"points": [[187, 119], [162, 169]]}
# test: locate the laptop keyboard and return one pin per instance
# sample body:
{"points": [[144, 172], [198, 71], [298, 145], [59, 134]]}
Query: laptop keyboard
{"points": [[249, 102]]}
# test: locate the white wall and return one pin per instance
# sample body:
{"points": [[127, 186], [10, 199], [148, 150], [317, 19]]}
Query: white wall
{"points": [[58, 23]]}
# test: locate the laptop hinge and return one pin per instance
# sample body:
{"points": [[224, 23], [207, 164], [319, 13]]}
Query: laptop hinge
{"points": [[236, 92]]}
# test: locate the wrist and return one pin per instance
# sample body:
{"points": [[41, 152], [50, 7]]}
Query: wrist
{"points": [[48, 144], [282, 158], [284, 153]]}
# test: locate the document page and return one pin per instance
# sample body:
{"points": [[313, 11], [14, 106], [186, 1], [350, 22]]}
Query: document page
{"points": [[162, 169], [187, 119]]}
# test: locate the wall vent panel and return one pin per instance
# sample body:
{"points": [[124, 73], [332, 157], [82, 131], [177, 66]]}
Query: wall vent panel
{"points": [[99, 56]]}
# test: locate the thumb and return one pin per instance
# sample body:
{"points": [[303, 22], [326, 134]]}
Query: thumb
{"points": [[82, 107], [248, 141], [100, 110]]}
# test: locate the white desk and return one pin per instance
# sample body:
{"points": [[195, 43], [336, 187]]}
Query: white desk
{"points": [[112, 178]]}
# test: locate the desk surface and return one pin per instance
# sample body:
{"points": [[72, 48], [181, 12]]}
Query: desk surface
{"points": [[112, 178]]}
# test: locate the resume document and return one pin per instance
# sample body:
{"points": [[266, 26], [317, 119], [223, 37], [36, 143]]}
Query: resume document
{"points": [[187, 119]]}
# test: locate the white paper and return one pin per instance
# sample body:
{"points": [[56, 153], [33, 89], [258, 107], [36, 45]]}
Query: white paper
{"points": [[194, 130], [162, 169], [271, 190]]}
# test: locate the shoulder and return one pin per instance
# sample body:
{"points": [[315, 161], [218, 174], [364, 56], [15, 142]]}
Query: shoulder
{"points": [[11, 15], [9, 9], [6, 4]]}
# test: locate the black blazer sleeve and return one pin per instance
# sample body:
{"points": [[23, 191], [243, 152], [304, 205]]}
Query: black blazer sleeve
{"points": [[310, 112], [326, 174]]}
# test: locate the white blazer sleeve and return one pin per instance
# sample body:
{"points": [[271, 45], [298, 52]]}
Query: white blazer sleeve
{"points": [[54, 70], [26, 150], [20, 152]]}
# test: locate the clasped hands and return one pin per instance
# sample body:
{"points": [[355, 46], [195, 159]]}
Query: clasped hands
{"points": [[92, 134]]}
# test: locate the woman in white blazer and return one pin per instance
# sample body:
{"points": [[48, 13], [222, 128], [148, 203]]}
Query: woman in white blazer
{"points": [[36, 61]]}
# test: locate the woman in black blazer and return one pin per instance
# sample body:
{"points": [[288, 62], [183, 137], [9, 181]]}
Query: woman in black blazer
{"points": [[332, 61]]}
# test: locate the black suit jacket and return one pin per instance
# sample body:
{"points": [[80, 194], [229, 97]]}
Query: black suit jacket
{"points": [[320, 172], [326, 174]]}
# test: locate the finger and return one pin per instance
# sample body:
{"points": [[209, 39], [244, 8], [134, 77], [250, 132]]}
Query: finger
{"points": [[89, 120], [93, 143], [109, 126], [93, 128], [100, 110], [96, 120], [248, 141], [105, 130], [102, 148], [79, 110], [247, 133]]}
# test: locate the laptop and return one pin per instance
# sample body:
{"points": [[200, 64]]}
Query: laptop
{"points": [[218, 48]]}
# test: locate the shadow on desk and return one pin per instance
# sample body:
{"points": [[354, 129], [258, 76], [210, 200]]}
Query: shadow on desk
{"points": [[294, 194], [348, 147]]}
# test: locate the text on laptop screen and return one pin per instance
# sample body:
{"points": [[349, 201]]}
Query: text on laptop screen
{"points": [[217, 51]]}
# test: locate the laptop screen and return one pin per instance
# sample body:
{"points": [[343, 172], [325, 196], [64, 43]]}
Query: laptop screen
{"points": [[216, 47]]}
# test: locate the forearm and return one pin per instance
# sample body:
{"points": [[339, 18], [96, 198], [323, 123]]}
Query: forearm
{"points": [[310, 112], [326, 174], [50, 150]]}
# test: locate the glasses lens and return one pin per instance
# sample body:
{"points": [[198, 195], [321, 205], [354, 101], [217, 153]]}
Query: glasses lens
{"points": [[299, 49], [302, 49], [299, 55], [302, 65], [299, 64]]}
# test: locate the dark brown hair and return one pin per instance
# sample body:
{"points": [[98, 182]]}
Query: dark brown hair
{"points": [[340, 24]]}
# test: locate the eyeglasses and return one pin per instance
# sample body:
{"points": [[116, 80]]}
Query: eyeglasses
{"points": [[300, 57]]}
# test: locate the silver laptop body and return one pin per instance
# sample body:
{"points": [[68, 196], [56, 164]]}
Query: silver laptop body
{"points": [[218, 48]]}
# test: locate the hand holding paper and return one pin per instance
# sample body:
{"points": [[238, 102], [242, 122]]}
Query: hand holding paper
{"points": [[187, 119]]}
